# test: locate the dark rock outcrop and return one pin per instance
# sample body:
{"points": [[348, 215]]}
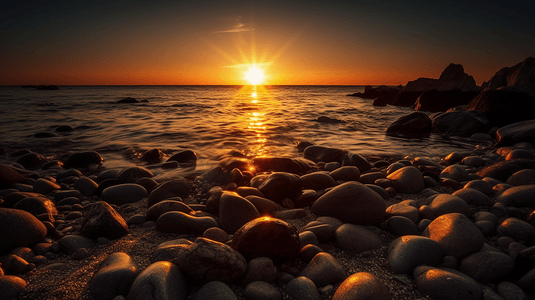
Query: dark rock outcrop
{"points": [[413, 123], [516, 133], [435, 100], [128, 100], [452, 78], [462, 123]]}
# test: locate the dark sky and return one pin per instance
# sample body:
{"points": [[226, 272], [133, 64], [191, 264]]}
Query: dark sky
{"points": [[293, 42]]}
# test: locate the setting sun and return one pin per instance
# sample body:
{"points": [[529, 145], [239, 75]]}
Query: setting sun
{"points": [[255, 76]]}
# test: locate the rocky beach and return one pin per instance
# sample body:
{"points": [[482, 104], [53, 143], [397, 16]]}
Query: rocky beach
{"points": [[327, 224]]}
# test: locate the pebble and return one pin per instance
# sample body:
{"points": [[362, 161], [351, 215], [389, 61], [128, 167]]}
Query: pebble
{"points": [[280, 185], [43, 186], [346, 173], [307, 237], [510, 291], [260, 290], [161, 280], [407, 252], [158, 209], [19, 228], [445, 204], [357, 239], [399, 226], [403, 210], [362, 286], [123, 193], [86, 186], [206, 260], [102, 220], [457, 235], [323, 270], [178, 187], [168, 251], [114, 277], [517, 229], [351, 202], [259, 269], [487, 266], [407, 180], [473, 197], [446, 284], [11, 286], [179, 222], [215, 290], [302, 288], [72, 243], [317, 181], [519, 196], [217, 234], [83, 159], [264, 205]]}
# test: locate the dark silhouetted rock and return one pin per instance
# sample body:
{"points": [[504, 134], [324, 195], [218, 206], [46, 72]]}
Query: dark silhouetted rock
{"points": [[518, 78], [11, 286], [321, 153], [123, 193], [132, 174], [103, 220], [235, 211], [178, 187], [407, 252], [503, 107], [114, 277], [37, 206], [413, 123], [462, 123], [323, 270], [44, 134], [83, 159], [504, 169], [64, 128], [184, 157], [324, 119], [267, 237], [436, 101], [159, 281], [179, 222], [357, 239], [446, 284], [452, 78], [127, 100], [516, 133], [8, 175], [405, 98], [280, 185], [153, 156], [282, 164], [30, 160], [356, 160], [215, 290], [487, 266], [47, 87], [164, 206]]}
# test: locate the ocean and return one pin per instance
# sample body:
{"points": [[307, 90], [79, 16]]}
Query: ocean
{"points": [[213, 121]]}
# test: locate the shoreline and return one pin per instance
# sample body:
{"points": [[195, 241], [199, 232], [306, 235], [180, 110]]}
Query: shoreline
{"points": [[68, 275]]}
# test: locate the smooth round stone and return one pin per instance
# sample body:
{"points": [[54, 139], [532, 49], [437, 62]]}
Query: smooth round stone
{"points": [[43, 186], [86, 186], [114, 277], [331, 166], [60, 195], [379, 190], [422, 225], [487, 266], [259, 269], [407, 180], [317, 181], [42, 208], [264, 205], [517, 229], [399, 226], [178, 187], [430, 182], [357, 239], [102, 220], [362, 286], [108, 174], [160, 281], [184, 156], [235, 211], [523, 177], [308, 252], [456, 173], [473, 197], [473, 161], [446, 284], [520, 153], [480, 185], [123, 193], [158, 209], [179, 222], [281, 185], [30, 160], [408, 211], [8, 175], [267, 237], [206, 260], [487, 228], [168, 251], [11, 286], [371, 177], [83, 159], [323, 232], [72, 243], [217, 234], [69, 201], [323, 270], [307, 237], [445, 204], [215, 290], [346, 173], [354, 159], [148, 183], [245, 191], [136, 219], [132, 174], [19, 228], [407, 252], [384, 183], [511, 291], [527, 281], [457, 235], [302, 288], [351, 202], [260, 290]]}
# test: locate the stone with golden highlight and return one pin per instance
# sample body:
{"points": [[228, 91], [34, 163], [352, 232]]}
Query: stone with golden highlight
{"points": [[362, 286]]}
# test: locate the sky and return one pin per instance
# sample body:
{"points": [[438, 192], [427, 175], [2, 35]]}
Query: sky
{"points": [[292, 42]]}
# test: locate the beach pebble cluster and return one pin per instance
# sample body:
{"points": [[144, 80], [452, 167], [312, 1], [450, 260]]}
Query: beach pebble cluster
{"points": [[329, 225]]}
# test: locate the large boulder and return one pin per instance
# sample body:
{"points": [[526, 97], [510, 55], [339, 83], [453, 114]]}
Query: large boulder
{"points": [[446, 284], [452, 78], [503, 107], [19, 228], [114, 277], [519, 78], [407, 180], [462, 123], [517, 132], [351, 202], [413, 123], [436, 101]]}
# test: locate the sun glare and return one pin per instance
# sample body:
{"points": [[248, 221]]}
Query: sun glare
{"points": [[255, 76]]}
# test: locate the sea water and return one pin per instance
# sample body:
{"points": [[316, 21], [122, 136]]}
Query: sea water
{"points": [[213, 121]]}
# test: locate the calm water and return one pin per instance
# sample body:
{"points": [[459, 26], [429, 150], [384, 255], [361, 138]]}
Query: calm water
{"points": [[211, 120]]}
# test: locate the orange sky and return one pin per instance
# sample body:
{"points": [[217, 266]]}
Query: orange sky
{"points": [[294, 42]]}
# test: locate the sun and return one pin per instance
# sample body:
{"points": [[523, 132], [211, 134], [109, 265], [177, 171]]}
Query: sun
{"points": [[254, 75]]}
